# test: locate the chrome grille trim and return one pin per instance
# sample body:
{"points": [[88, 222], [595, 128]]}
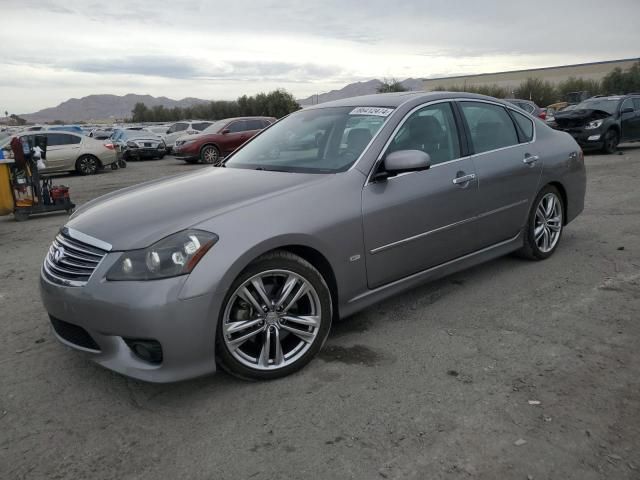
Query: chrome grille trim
{"points": [[71, 262]]}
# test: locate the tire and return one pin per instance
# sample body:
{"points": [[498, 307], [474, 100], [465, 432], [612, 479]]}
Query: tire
{"points": [[544, 230], [115, 166], [122, 163], [87, 165], [610, 142], [210, 154], [283, 276]]}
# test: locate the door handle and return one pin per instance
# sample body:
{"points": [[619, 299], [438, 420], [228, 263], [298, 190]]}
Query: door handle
{"points": [[464, 179], [530, 159]]}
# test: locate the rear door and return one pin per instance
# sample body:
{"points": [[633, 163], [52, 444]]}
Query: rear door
{"points": [[418, 220], [63, 149], [508, 165]]}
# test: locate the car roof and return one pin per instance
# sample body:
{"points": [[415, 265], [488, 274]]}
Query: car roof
{"points": [[394, 100]]}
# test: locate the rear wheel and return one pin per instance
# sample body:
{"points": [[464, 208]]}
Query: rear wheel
{"points": [[545, 224], [275, 318], [87, 165], [610, 141], [210, 154]]}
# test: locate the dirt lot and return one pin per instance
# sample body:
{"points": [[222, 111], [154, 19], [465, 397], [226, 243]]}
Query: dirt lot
{"points": [[441, 382]]}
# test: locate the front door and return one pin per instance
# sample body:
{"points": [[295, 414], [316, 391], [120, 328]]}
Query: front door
{"points": [[421, 219], [630, 121]]}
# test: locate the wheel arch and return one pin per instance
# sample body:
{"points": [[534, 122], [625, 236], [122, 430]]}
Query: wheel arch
{"points": [[563, 196], [209, 144], [100, 164]]}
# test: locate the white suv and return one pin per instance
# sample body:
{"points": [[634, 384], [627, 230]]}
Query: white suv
{"points": [[181, 128]]}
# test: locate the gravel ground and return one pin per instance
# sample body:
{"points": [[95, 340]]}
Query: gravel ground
{"points": [[510, 370]]}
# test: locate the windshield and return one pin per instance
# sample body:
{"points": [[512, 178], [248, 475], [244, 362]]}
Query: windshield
{"points": [[216, 126], [609, 105], [325, 140]]}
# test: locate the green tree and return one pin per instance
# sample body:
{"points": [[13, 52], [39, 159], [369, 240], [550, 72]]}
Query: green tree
{"points": [[541, 92], [391, 85], [621, 82], [574, 84], [140, 113]]}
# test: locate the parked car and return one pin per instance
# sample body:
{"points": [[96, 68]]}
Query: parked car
{"points": [[602, 122], [138, 144], [68, 152], [179, 129], [101, 133], [219, 139], [160, 130], [247, 266], [529, 107], [66, 128]]}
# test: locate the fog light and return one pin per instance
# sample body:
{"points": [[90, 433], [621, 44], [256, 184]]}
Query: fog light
{"points": [[593, 138], [147, 350]]}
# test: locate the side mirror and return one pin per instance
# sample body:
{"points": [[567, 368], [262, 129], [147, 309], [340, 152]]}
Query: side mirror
{"points": [[225, 131], [627, 110], [168, 131], [404, 161]]}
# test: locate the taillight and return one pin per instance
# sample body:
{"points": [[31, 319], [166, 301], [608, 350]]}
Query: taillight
{"points": [[110, 146], [543, 115]]}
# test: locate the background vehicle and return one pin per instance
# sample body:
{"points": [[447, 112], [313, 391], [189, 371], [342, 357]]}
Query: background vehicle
{"points": [[601, 122], [250, 264], [66, 128], [529, 107], [219, 139], [139, 144], [101, 133], [67, 152], [179, 129]]}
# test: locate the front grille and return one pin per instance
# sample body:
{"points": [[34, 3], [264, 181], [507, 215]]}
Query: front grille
{"points": [[73, 334], [71, 262]]}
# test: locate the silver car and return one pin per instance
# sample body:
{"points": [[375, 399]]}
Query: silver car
{"points": [[246, 266], [72, 152]]}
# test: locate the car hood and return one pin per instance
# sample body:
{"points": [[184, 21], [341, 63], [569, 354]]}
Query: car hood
{"points": [[138, 216], [582, 114]]}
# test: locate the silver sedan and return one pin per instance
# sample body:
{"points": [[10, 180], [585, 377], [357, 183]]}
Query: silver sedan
{"points": [[324, 213]]}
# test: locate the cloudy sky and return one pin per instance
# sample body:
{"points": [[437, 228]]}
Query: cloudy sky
{"points": [[53, 50]]}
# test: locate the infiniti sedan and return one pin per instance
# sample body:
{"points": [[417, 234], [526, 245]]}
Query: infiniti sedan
{"points": [[322, 214]]}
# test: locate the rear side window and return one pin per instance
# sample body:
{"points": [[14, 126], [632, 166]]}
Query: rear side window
{"points": [[636, 104], [61, 139], [255, 124], [200, 126], [525, 125], [490, 125]]}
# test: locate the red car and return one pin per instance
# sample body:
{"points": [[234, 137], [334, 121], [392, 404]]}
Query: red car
{"points": [[219, 139]]}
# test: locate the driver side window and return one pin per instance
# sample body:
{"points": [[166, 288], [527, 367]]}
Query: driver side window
{"points": [[431, 129]]}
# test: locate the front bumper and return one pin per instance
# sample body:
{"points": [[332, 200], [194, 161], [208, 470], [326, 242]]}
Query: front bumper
{"points": [[111, 312], [145, 152], [587, 139], [186, 151]]}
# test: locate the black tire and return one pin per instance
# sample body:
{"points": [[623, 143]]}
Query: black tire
{"points": [[115, 166], [210, 154], [531, 248], [277, 260], [122, 163], [87, 165], [610, 141]]}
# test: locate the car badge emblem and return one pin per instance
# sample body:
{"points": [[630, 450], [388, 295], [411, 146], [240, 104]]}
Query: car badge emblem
{"points": [[58, 254]]}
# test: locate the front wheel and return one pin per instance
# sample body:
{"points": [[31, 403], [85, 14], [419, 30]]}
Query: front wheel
{"points": [[544, 227], [210, 154], [275, 318], [87, 165], [610, 141]]}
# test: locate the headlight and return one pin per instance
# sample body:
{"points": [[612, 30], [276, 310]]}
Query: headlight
{"points": [[177, 254], [594, 124], [132, 145]]}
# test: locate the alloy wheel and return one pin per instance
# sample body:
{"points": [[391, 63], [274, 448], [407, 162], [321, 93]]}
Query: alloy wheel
{"points": [[88, 165], [271, 320], [548, 223], [210, 155]]}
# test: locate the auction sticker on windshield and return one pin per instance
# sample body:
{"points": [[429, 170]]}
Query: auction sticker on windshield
{"points": [[379, 111]]}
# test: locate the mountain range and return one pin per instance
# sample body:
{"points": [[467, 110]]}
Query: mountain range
{"points": [[95, 108]]}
